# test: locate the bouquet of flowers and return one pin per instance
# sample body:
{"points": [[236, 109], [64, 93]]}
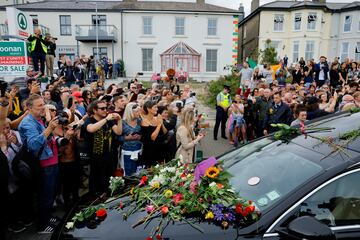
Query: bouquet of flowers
{"points": [[176, 192]]}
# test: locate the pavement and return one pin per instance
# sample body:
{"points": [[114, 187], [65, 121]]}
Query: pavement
{"points": [[207, 145]]}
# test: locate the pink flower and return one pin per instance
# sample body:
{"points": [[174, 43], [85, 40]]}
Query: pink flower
{"points": [[149, 208], [193, 186]]}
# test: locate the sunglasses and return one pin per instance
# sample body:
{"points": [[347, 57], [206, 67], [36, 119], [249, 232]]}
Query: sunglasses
{"points": [[135, 106], [52, 110], [102, 108]]}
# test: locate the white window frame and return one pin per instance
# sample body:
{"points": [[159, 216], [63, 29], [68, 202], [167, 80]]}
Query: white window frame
{"points": [[212, 30], [279, 22], [269, 232], [211, 61], [297, 21], [309, 51], [357, 52], [296, 59], [347, 25], [344, 54], [65, 28], [178, 28], [147, 29], [312, 21], [151, 63]]}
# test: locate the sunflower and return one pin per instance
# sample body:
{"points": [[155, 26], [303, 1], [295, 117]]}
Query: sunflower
{"points": [[212, 172]]}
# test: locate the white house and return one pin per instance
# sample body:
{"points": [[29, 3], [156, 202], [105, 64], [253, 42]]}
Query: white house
{"points": [[139, 32], [303, 29]]}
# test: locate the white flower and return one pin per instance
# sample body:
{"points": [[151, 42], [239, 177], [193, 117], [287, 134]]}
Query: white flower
{"points": [[213, 184], [157, 179], [181, 158], [69, 225], [168, 170]]}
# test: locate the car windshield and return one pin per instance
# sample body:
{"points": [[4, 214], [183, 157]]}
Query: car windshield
{"points": [[265, 173]]}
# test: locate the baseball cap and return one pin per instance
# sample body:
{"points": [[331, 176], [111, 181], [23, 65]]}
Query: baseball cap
{"points": [[78, 96]]}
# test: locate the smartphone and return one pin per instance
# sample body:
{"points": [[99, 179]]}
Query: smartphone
{"points": [[140, 73]]}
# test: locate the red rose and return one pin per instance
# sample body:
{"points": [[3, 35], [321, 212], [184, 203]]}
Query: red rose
{"points": [[143, 180], [183, 175], [121, 205], [158, 237], [178, 198], [250, 202], [238, 208], [101, 214], [164, 210], [250, 209], [181, 184], [149, 238]]}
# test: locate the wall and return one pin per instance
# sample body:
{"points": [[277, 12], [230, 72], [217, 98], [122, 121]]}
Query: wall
{"points": [[163, 38], [248, 38]]}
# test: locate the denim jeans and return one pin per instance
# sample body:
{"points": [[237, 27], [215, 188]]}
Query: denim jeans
{"points": [[47, 191], [130, 166], [36, 57]]}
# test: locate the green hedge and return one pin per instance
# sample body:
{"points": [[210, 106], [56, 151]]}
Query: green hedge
{"points": [[216, 86]]}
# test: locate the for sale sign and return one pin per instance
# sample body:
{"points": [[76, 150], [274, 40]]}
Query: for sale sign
{"points": [[13, 58], [20, 23]]}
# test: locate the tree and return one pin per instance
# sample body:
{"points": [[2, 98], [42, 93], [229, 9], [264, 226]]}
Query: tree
{"points": [[269, 54]]}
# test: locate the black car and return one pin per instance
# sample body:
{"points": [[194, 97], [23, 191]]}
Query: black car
{"points": [[304, 188]]}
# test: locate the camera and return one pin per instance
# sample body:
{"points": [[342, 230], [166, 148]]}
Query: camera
{"points": [[63, 119], [3, 87], [192, 94]]}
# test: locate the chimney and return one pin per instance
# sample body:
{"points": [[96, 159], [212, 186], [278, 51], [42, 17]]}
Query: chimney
{"points": [[202, 2], [241, 12], [254, 5]]}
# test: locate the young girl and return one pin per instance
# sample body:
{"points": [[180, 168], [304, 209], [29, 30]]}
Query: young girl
{"points": [[237, 121]]}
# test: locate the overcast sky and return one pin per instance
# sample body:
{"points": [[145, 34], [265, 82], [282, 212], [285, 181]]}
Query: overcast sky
{"points": [[235, 3]]}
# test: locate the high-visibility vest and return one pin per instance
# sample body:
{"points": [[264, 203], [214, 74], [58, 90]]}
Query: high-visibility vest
{"points": [[33, 44], [225, 100]]}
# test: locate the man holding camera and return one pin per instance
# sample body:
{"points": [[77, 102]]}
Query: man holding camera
{"points": [[50, 55], [321, 71], [39, 140], [38, 50]]}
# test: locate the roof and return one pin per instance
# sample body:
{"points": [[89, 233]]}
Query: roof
{"points": [[181, 48], [289, 5], [115, 6]]}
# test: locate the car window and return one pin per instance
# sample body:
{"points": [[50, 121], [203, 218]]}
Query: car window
{"points": [[268, 174], [337, 204]]}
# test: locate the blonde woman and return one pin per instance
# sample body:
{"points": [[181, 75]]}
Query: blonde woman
{"points": [[131, 135], [185, 137]]}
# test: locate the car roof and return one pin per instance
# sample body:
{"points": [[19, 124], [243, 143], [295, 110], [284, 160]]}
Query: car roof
{"points": [[340, 123]]}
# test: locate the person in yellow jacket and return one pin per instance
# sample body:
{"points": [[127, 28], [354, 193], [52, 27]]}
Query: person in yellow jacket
{"points": [[38, 49], [223, 102]]}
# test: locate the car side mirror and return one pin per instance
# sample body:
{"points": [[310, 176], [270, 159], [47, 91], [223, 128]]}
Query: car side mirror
{"points": [[309, 228]]}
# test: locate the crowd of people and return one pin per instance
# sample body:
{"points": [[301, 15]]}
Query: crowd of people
{"points": [[57, 134], [291, 96]]}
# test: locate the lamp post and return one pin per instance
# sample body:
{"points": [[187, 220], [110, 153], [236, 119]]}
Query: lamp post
{"points": [[97, 34]]}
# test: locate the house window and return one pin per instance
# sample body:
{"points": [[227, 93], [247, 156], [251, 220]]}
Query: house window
{"points": [[179, 26], [344, 51], [65, 25], [296, 46], [101, 20], [147, 25], [309, 50], [147, 59], [102, 52], [211, 60], [357, 52], [245, 32], [312, 18], [212, 27], [347, 23], [297, 22], [279, 22]]}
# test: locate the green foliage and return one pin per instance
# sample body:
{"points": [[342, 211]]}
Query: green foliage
{"points": [[269, 54], [216, 86]]}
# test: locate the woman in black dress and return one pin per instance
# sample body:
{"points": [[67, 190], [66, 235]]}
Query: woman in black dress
{"points": [[334, 75], [153, 135]]}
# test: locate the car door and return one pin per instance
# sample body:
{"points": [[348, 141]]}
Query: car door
{"points": [[335, 203]]}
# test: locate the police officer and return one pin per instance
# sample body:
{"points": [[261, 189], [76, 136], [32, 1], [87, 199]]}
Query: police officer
{"points": [[278, 112], [223, 102], [38, 50]]}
